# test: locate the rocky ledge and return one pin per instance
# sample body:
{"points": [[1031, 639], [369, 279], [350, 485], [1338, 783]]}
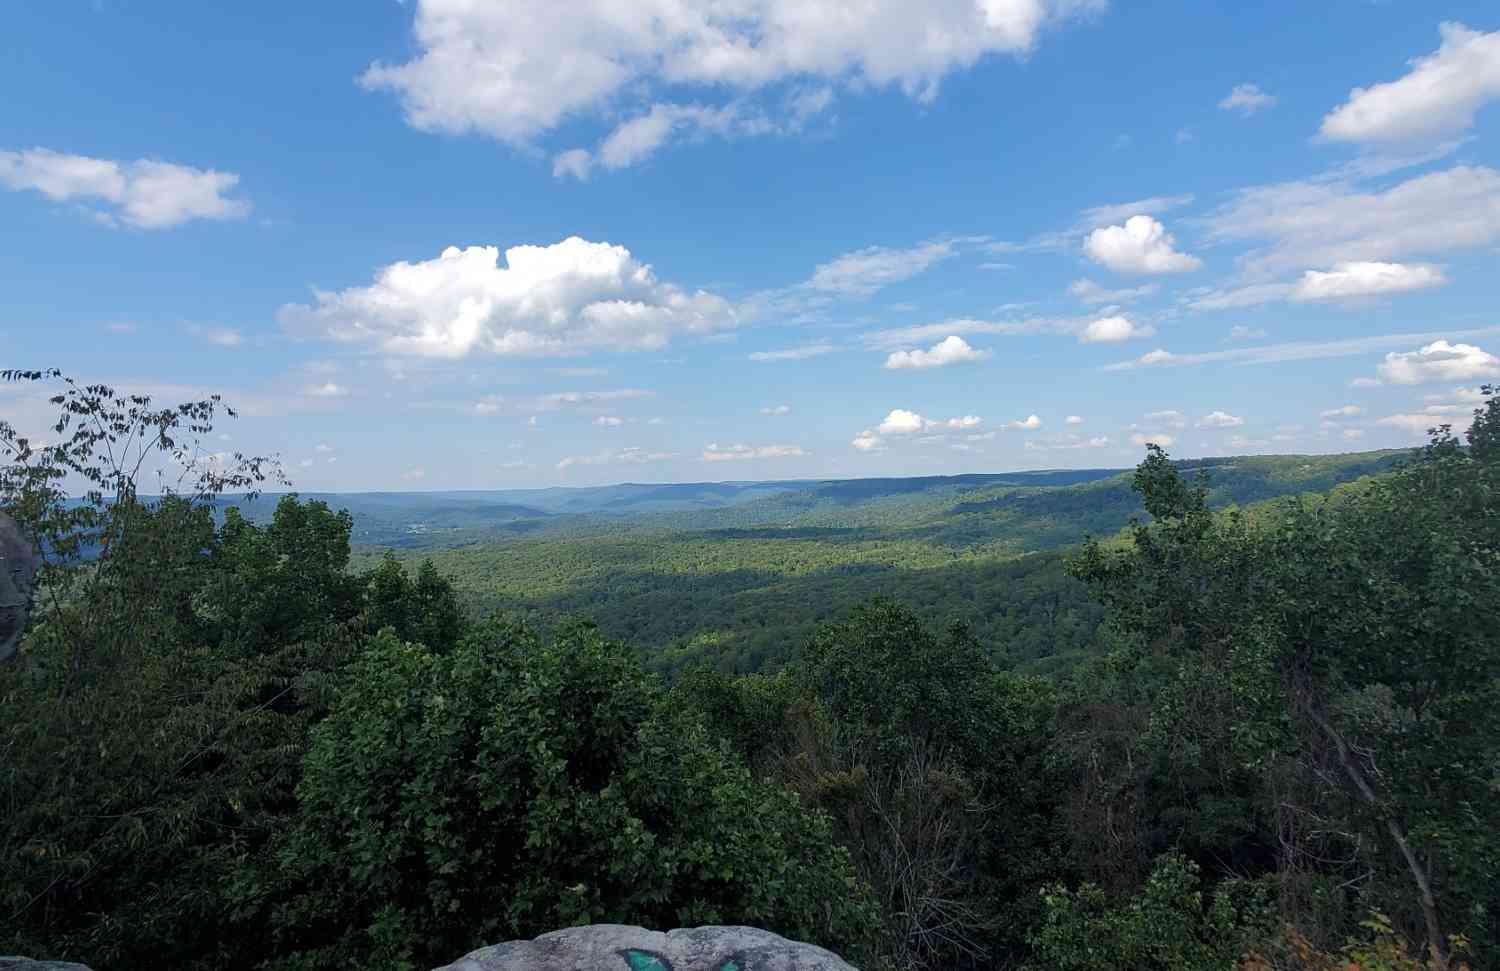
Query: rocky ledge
{"points": [[616, 947]]}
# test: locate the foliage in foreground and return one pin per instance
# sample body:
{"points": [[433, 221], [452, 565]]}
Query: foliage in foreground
{"points": [[514, 786]]}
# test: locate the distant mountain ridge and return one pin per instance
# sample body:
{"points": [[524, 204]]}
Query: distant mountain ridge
{"points": [[1031, 509]]}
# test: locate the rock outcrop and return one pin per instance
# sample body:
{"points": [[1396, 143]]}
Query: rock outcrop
{"points": [[18, 566], [616, 947]]}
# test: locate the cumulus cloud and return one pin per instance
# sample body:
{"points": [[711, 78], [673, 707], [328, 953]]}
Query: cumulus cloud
{"points": [[1109, 330], [566, 298], [1436, 99], [951, 350], [1075, 420], [1247, 99], [1220, 419], [1141, 245], [518, 71], [776, 410], [1365, 279], [1240, 332], [864, 271], [732, 453], [1170, 418], [1347, 411], [1029, 423], [608, 421], [1152, 438], [900, 422], [794, 353], [145, 193], [1438, 361], [1347, 281], [327, 389], [1109, 215], [1323, 222]]}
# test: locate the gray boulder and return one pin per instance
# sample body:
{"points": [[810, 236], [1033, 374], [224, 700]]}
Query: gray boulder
{"points": [[617, 947], [18, 566], [27, 964]]}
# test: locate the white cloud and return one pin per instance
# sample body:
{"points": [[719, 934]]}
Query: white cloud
{"points": [[145, 193], [1295, 351], [1119, 212], [1240, 332], [865, 271], [1241, 442], [1437, 99], [223, 336], [1353, 433], [1220, 419], [1247, 99], [1438, 361], [305, 463], [951, 350], [1322, 222], [1093, 294], [1171, 418], [414, 474], [731, 453], [1347, 411], [326, 390], [1067, 442], [1365, 279], [633, 455], [1141, 245], [561, 299], [1029, 423], [901, 422], [1347, 281], [608, 421], [520, 70], [794, 353], [1152, 438], [1467, 396], [323, 448], [776, 410], [1109, 330], [1072, 326], [564, 399], [1249, 296], [1417, 424], [1075, 420]]}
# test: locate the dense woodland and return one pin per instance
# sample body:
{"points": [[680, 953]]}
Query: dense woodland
{"points": [[1224, 738]]}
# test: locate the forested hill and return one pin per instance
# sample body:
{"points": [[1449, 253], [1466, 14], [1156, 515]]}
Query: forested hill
{"points": [[740, 584]]}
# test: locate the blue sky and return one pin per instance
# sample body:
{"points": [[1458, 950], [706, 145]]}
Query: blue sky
{"points": [[448, 244]]}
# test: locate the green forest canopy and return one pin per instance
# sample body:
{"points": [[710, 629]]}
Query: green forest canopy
{"points": [[1275, 742]]}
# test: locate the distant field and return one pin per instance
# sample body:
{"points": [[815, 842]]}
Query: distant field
{"points": [[737, 574]]}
